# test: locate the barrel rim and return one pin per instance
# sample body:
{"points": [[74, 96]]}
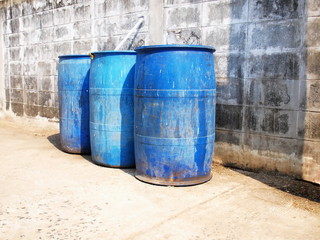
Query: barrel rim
{"points": [[114, 52], [175, 46], [74, 56]]}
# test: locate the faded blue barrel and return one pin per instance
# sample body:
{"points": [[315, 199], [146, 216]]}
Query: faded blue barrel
{"points": [[111, 108], [73, 84], [174, 114]]}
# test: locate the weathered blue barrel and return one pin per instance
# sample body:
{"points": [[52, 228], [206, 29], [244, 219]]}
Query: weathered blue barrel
{"points": [[73, 84], [111, 108], [174, 115]]}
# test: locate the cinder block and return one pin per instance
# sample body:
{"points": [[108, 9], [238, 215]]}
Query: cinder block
{"points": [[310, 95], [44, 68], [64, 48], [226, 37], [82, 30], [274, 66], [100, 9], [15, 11], [278, 122], [45, 51], [27, 8], [46, 35], [14, 25], [282, 9], [46, 99], [285, 123], [253, 92], [82, 46], [183, 17], [224, 12], [309, 125], [127, 6], [271, 145], [16, 96], [279, 93], [107, 43], [31, 110], [185, 36], [46, 19], [230, 91], [229, 65], [62, 33], [313, 64], [4, 13], [14, 40], [313, 8], [228, 137], [46, 83], [31, 98], [15, 54], [229, 117], [252, 119], [17, 108], [15, 68], [313, 32], [30, 23], [16, 82], [29, 68], [62, 15], [30, 83], [275, 35], [103, 27], [30, 53], [49, 112], [82, 12]]}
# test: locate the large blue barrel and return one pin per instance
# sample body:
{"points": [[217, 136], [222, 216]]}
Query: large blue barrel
{"points": [[73, 84], [111, 108], [174, 115]]}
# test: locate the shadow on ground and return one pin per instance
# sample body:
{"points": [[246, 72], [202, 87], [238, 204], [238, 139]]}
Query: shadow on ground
{"points": [[300, 188], [55, 141]]}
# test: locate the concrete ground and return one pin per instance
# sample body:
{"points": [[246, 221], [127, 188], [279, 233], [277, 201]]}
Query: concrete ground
{"points": [[48, 194]]}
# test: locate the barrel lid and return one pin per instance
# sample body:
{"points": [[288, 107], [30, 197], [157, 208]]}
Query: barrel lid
{"points": [[74, 56], [177, 46], [114, 52]]}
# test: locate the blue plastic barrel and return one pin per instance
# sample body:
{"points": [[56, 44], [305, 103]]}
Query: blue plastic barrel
{"points": [[73, 84], [174, 116], [111, 108]]}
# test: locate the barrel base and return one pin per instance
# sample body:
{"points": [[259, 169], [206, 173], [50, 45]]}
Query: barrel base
{"points": [[75, 151], [103, 164], [168, 182]]}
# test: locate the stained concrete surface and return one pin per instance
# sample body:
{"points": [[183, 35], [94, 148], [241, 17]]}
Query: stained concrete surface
{"points": [[48, 194]]}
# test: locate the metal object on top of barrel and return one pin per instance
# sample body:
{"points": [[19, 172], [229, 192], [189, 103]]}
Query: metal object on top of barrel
{"points": [[174, 114], [73, 85], [111, 108]]}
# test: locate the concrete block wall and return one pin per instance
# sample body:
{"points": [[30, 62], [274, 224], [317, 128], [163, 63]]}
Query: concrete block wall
{"points": [[267, 69], [36, 32], [267, 65]]}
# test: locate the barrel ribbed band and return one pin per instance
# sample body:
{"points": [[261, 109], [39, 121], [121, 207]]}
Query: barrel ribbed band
{"points": [[174, 141], [111, 128], [163, 93], [111, 91]]}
